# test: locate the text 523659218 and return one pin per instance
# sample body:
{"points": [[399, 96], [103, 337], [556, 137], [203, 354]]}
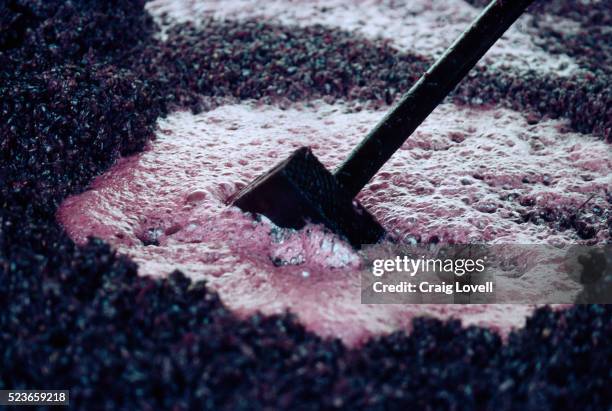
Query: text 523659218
{"points": [[34, 397]]}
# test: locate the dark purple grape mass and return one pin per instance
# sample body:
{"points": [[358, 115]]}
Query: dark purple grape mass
{"points": [[83, 82]]}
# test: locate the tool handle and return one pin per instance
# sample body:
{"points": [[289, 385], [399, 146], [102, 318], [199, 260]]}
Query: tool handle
{"points": [[425, 95]]}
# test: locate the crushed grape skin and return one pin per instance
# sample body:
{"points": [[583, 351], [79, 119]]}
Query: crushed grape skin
{"points": [[80, 318]]}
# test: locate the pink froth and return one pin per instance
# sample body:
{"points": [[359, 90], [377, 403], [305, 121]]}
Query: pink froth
{"points": [[174, 193]]}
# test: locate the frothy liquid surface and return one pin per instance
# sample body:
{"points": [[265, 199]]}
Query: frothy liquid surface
{"points": [[166, 206]]}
